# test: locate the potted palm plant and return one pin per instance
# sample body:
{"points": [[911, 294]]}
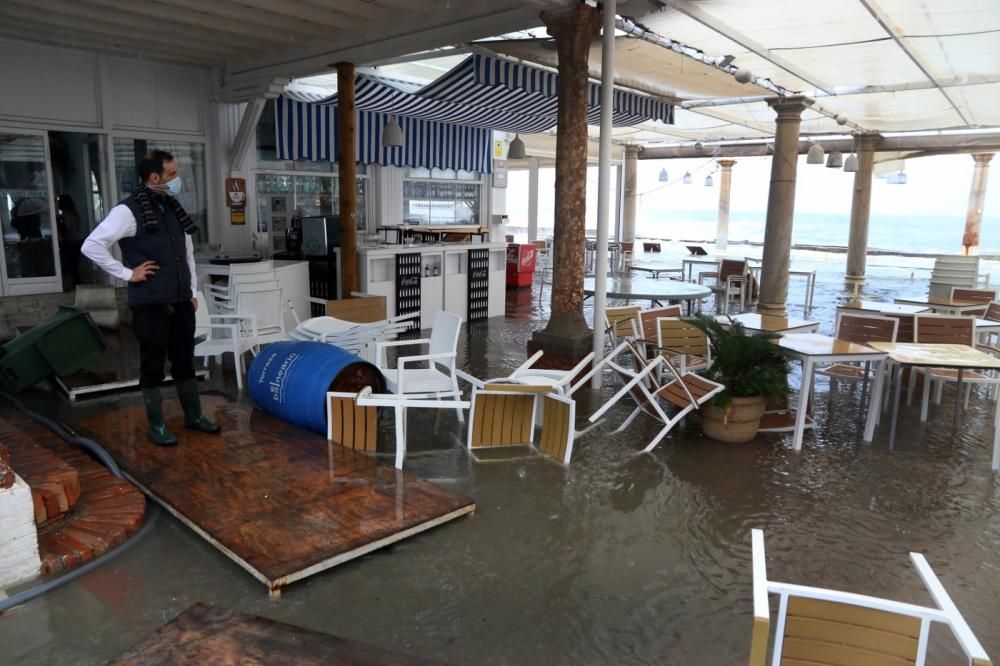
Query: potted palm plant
{"points": [[754, 371]]}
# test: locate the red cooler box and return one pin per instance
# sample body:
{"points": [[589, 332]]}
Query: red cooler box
{"points": [[520, 264]]}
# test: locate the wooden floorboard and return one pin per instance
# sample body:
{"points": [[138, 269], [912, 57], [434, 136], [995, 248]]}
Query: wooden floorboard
{"points": [[209, 635], [280, 501]]}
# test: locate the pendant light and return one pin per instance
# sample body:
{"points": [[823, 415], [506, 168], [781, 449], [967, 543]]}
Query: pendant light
{"points": [[663, 176], [516, 149], [851, 163], [687, 179], [835, 160], [708, 181], [815, 154], [392, 134]]}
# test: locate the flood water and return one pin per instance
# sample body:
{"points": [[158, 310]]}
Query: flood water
{"points": [[617, 559]]}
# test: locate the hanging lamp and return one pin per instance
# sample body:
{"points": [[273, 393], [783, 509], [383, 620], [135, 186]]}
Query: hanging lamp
{"points": [[708, 181], [663, 176], [392, 134], [516, 149], [815, 154], [835, 160], [687, 178]]}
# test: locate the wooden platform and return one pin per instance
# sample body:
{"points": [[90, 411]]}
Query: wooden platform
{"points": [[280, 501], [209, 635]]}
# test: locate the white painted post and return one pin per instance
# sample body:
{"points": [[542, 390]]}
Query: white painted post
{"points": [[604, 182], [532, 199]]}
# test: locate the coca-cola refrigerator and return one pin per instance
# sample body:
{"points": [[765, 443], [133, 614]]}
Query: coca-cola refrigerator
{"points": [[520, 264]]}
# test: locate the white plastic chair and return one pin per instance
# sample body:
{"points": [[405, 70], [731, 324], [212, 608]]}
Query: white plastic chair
{"points": [[438, 379], [264, 304], [558, 380], [821, 626], [238, 339]]}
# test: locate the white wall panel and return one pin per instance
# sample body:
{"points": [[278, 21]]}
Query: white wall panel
{"points": [[48, 85], [156, 97]]}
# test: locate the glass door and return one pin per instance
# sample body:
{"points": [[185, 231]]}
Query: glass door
{"points": [[26, 219]]}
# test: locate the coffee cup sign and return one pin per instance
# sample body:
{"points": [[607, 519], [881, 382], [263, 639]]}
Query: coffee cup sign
{"points": [[236, 192]]}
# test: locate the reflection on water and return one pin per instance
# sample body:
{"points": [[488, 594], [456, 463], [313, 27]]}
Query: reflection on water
{"points": [[619, 558]]}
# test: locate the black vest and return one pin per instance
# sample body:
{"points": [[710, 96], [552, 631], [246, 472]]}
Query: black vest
{"points": [[166, 246]]}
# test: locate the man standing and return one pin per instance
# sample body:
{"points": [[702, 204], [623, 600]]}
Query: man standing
{"points": [[154, 234]]}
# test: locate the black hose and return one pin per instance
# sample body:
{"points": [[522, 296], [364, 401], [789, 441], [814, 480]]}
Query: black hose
{"points": [[101, 454]]}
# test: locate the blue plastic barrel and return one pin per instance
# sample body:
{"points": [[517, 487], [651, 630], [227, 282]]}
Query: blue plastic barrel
{"points": [[290, 380]]}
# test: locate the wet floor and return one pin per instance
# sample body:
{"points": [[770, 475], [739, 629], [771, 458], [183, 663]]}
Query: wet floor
{"points": [[619, 558]]}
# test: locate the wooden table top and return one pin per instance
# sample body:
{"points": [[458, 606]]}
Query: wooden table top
{"points": [[937, 355], [768, 323], [939, 301], [884, 308], [816, 344]]}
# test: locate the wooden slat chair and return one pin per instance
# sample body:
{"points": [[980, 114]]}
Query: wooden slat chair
{"points": [[946, 329], [684, 343], [621, 322], [984, 296], [684, 391], [503, 414], [352, 418], [861, 329], [732, 279], [647, 320], [821, 627]]}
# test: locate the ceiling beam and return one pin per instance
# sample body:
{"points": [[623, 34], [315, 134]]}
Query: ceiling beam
{"points": [[261, 35], [224, 10], [419, 57], [76, 39], [42, 24], [694, 12], [936, 144], [362, 8], [882, 18], [296, 9], [77, 15], [391, 41]]}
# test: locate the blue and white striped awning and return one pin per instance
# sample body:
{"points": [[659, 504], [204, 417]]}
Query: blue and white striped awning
{"points": [[481, 93]]}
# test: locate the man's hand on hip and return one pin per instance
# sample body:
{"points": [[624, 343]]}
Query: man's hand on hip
{"points": [[194, 304], [144, 271]]}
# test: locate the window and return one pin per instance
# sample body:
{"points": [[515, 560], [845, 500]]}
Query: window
{"points": [[441, 196], [24, 207], [283, 198], [190, 158]]}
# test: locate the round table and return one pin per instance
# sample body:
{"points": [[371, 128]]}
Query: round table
{"points": [[656, 291]]}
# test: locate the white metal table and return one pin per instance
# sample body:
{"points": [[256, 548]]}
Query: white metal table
{"points": [[813, 348], [958, 357], [942, 305], [810, 277], [648, 289], [881, 308]]}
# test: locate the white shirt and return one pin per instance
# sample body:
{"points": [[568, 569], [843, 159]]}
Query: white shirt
{"points": [[119, 224]]}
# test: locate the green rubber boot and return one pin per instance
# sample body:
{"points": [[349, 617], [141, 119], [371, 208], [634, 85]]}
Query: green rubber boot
{"points": [[158, 433], [187, 391]]}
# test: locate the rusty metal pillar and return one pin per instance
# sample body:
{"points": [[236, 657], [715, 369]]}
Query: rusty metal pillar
{"points": [[347, 172], [977, 197], [567, 338], [780, 204]]}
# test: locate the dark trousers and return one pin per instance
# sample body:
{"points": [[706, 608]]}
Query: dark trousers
{"points": [[164, 332]]}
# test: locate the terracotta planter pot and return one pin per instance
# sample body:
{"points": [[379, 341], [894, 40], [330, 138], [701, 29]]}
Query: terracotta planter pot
{"points": [[737, 423]]}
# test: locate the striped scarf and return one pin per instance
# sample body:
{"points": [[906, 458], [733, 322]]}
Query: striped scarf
{"points": [[150, 221]]}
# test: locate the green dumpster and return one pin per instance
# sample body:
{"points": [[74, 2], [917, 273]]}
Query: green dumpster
{"points": [[61, 345]]}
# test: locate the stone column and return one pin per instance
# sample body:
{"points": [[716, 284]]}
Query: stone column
{"points": [[780, 204], [725, 185], [532, 199], [977, 196], [567, 338], [628, 209], [347, 171], [857, 243]]}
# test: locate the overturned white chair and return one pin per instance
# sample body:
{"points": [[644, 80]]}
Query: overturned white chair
{"points": [[504, 412], [684, 391], [352, 418], [818, 626]]}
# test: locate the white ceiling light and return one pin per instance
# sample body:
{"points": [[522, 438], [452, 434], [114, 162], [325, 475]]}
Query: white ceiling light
{"points": [[851, 163], [835, 160], [687, 179], [815, 154], [663, 176], [392, 134], [708, 181], [743, 76], [516, 149], [841, 119]]}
